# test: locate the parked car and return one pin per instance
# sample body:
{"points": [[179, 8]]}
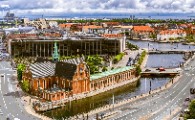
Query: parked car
{"points": [[187, 69], [160, 69], [147, 70], [2, 75], [1, 113], [187, 99], [192, 90]]}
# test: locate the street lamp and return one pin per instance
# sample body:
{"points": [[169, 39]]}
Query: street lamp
{"points": [[113, 100], [149, 46]]}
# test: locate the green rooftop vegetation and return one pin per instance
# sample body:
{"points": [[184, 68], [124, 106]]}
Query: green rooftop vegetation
{"points": [[111, 72]]}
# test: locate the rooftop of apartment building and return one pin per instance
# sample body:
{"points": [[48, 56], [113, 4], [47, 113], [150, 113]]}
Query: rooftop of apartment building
{"points": [[143, 29], [172, 31]]}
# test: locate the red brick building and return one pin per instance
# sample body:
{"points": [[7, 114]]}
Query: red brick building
{"points": [[56, 81]]}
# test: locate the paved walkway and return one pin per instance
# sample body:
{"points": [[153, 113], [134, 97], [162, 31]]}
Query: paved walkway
{"points": [[29, 108], [125, 59]]}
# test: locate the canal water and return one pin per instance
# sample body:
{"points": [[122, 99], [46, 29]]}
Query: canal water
{"points": [[161, 46], [165, 60], [125, 92]]}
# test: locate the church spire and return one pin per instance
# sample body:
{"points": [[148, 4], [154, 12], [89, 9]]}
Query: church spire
{"points": [[55, 55]]}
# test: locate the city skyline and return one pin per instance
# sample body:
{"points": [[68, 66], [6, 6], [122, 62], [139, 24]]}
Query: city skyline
{"points": [[93, 7]]}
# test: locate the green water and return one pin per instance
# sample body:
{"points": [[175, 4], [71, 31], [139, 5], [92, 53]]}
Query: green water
{"points": [[124, 92], [90, 103]]}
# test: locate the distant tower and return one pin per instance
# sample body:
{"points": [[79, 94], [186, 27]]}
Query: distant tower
{"points": [[55, 55]]}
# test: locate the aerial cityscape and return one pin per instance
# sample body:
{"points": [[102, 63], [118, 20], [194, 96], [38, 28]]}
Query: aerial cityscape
{"points": [[97, 60]]}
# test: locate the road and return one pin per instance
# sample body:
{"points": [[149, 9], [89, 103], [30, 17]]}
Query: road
{"points": [[11, 105], [160, 106]]}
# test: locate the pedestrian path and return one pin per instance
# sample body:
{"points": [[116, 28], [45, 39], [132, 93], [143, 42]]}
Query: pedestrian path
{"points": [[125, 59]]}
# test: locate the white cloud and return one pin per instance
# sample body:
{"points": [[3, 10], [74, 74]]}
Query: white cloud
{"points": [[4, 6], [24, 7]]}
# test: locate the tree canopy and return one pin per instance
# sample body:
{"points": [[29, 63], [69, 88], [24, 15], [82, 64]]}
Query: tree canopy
{"points": [[25, 86], [192, 110], [94, 62], [20, 69]]}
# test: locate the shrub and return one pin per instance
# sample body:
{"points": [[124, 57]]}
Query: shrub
{"points": [[138, 70], [25, 85], [118, 57], [140, 60], [20, 69], [132, 46]]}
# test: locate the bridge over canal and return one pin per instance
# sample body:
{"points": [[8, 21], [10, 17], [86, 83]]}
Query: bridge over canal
{"points": [[157, 72], [170, 51]]}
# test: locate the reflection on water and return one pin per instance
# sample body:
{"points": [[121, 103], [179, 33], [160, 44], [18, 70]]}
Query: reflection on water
{"points": [[125, 92], [160, 46], [164, 60]]}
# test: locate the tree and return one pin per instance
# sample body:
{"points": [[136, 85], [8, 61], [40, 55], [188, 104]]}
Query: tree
{"points": [[153, 36], [192, 110], [132, 46], [104, 69], [94, 62], [138, 70], [25, 85], [20, 69]]}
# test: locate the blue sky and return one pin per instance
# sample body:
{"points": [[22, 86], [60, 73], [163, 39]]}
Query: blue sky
{"points": [[61, 7]]}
